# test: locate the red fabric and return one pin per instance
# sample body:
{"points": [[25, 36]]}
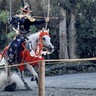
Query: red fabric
{"points": [[28, 58], [0, 55], [40, 45], [3, 53], [43, 33]]}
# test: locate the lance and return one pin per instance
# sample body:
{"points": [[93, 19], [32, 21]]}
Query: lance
{"points": [[48, 13]]}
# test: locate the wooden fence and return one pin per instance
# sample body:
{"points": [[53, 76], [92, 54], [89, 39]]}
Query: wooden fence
{"points": [[41, 86], [41, 89]]}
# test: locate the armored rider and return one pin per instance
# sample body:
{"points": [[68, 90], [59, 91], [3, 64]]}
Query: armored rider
{"points": [[21, 23]]}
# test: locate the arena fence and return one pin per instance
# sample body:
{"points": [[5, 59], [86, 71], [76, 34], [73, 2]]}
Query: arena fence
{"points": [[41, 86], [41, 90]]}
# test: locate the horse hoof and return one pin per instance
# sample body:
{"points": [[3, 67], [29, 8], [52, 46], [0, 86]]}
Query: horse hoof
{"points": [[27, 87], [10, 87], [36, 80], [33, 79]]}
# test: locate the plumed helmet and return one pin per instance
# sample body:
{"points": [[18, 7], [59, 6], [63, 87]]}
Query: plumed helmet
{"points": [[26, 9]]}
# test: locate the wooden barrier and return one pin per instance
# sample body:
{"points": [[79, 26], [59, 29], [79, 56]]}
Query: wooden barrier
{"points": [[54, 60], [41, 90]]}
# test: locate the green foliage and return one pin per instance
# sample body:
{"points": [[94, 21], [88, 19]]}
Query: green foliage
{"points": [[4, 16], [33, 29], [3, 23], [3, 40], [10, 36], [86, 29]]}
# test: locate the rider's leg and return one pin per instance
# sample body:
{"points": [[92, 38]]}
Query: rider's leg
{"points": [[29, 47], [15, 44]]}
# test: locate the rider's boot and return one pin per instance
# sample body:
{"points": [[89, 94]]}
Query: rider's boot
{"points": [[32, 53]]}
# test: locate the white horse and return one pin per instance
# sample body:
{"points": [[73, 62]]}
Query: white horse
{"points": [[38, 42]]}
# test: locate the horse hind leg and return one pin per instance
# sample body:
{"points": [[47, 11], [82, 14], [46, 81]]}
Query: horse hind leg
{"points": [[33, 72], [25, 83], [7, 69], [10, 86]]}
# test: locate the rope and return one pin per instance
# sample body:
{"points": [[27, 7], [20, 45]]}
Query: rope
{"points": [[18, 64], [57, 60], [71, 60], [48, 13]]}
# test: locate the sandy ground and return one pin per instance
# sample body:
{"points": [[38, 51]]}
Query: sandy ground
{"points": [[64, 85], [53, 92]]}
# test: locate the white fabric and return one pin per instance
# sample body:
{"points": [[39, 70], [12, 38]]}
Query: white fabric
{"points": [[32, 53]]}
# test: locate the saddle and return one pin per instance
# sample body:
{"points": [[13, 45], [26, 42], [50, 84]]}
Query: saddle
{"points": [[26, 57]]}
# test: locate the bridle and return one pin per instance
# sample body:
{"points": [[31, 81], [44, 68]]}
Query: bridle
{"points": [[40, 44]]}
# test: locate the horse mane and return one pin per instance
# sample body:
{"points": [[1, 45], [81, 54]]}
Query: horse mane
{"points": [[35, 35], [33, 38]]}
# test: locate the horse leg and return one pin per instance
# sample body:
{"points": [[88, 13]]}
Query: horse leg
{"points": [[10, 86], [33, 72], [7, 69], [25, 83]]}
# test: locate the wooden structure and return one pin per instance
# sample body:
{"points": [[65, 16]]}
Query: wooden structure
{"points": [[41, 86]]}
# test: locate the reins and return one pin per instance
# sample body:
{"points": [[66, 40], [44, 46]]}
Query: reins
{"points": [[40, 45]]}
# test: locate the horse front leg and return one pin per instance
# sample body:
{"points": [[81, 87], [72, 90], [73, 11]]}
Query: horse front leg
{"points": [[33, 72], [25, 83]]}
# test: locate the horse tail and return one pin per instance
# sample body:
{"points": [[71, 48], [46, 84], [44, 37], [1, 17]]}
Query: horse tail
{"points": [[2, 55], [2, 60]]}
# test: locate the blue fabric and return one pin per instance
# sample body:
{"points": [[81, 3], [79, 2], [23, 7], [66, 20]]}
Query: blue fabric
{"points": [[14, 46], [14, 21]]}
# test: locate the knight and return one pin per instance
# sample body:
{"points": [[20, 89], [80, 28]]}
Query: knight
{"points": [[21, 23]]}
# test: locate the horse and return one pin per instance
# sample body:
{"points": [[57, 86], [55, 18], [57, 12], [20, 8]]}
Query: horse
{"points": [[40, 44]]}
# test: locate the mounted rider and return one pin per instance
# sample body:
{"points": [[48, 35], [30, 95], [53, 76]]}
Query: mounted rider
{"points": [[22, 23]]}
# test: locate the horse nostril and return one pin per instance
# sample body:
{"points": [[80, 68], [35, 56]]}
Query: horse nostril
{"points": [[51, 48]]}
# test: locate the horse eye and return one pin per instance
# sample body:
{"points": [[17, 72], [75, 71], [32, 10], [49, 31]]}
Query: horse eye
{"points": [[43, 38]]}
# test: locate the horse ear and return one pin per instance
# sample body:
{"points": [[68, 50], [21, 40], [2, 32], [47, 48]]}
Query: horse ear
{"points": [[48, 30], [43, 30]]}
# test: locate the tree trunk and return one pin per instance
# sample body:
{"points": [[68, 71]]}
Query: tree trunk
{"points": [[72, 36], [63, 36]]}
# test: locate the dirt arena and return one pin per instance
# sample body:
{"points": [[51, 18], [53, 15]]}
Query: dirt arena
{"points": [[64, 85], [53, 92]]}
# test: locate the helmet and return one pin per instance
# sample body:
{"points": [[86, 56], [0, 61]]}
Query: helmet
{"points": [[26, 9]]}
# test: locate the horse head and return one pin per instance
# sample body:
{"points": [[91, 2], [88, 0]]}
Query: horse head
{"points": [[41, 42], [45, 41]]}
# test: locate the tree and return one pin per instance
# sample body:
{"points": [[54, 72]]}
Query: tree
{"points": [[86, 29], [72, 30], [3, 27], [63, 35]]}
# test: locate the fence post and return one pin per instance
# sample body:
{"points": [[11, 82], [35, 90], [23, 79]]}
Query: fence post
{"points": [[41, 90]]}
